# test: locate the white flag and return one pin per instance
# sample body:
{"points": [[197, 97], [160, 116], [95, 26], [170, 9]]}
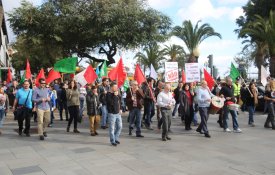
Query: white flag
{"points": [[264, 75], [153, 73]]}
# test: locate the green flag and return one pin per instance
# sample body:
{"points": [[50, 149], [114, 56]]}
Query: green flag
{"points": [[126, 85], [22, 78], [103, 71], [66, 65], [234, 73]]}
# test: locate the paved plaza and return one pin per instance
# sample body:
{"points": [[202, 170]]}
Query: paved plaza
{"points": [[188, 153]]}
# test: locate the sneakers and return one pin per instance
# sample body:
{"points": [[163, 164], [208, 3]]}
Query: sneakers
{"points": [[41, 137], [227, 130], [238, 130], [117, 142], [174, 117]]}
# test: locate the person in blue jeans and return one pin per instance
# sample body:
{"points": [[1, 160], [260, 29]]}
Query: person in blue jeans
{"points": [[251, 97], [134, 103], [52, 103], [4, 106], [227, 93], [113, 100], [102, 91]]}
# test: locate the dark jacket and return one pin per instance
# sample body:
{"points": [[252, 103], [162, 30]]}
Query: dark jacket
{"points": [[113, 103], [93, 104], [63, 97], [248, 99], [184, 104], [102, 96], [139, 96], [228, 91], [148, 97], [177, 94]]}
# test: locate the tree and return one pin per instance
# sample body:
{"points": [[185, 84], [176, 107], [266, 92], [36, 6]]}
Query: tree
{"points": [[263, 30], [84, 26], [252, 9], [176, 53], [153, 55], [192, 36]]}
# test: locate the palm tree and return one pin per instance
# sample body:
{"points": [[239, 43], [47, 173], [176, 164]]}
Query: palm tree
{"points": [[153, 55], [176, 53], [193, 36], [263, 31]]}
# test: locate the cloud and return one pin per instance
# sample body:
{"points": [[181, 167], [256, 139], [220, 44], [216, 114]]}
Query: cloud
{"points": [[161, 4], [235, 2], [203, 9]]}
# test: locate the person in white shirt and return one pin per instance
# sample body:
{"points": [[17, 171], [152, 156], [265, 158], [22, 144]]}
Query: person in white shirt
{"points": [[165, 101]]}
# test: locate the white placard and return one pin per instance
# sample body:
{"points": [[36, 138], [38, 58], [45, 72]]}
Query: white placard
{"points": [[171, 72], [192, 72]]}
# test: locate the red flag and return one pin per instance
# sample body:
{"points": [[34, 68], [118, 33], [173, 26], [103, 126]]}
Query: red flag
{"points": [[210, 81], [118, 73], [28, 71], [9, 76], [183, 77], [52, 76], [40, 75], [72, 76], [138, 76], [90, 75]]}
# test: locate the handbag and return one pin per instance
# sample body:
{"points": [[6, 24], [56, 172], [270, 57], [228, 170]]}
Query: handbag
{"points": [[21, 110]]}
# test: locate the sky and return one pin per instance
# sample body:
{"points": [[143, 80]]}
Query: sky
{"points": [[220, 14]]}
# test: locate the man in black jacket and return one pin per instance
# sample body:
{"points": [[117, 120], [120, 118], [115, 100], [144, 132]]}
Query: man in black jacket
{"points": [[61, 95], [177, 98], [93, 105], [113, 100]]}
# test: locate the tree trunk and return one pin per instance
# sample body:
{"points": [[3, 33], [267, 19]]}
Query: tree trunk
{"points": [[272, 66], [259, 62]]}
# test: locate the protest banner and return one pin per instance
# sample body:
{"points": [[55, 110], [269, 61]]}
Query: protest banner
{"points": [[192, 72], [171, 72]]}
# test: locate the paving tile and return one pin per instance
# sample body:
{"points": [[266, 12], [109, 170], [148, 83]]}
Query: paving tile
{"points": [[26, 170], [83, 150]]}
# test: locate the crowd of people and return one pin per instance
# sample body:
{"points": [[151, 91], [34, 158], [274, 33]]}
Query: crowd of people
{"points": [[106, 102]]}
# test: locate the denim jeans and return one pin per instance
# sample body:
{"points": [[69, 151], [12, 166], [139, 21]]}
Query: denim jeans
{"points": [[81, 108], [135, 120], [115, 126], [2, 117], [251, 114], [149, 111], [104, 118], [234, 118], [175, 109]]}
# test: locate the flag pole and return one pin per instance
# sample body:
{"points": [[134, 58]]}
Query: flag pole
{"points": [[246, 85]]}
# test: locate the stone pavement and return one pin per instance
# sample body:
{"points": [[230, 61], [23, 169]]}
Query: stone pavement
{"points": [[188, 153]]}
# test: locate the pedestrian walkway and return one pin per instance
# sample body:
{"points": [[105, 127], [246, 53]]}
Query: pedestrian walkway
{"points": [[188, 153]]}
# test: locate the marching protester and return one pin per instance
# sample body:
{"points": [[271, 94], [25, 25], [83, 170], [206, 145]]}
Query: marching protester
{"points": [[52, 102], [62, 100], [228, 93], [165, 101], [157, 91], [72, 95], [82, 97], [193, 89], [204, 100], [113, 100], [42, 100], [11, 91], [251, 99], [270, 98], [22, 108], [177, 92], [93, 107], [186, 106], [102, 92], [149, 103], [134, 101], [4, 107]]}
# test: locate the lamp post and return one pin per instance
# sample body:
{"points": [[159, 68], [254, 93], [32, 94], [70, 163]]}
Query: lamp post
{"points": [[210, 57]]}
